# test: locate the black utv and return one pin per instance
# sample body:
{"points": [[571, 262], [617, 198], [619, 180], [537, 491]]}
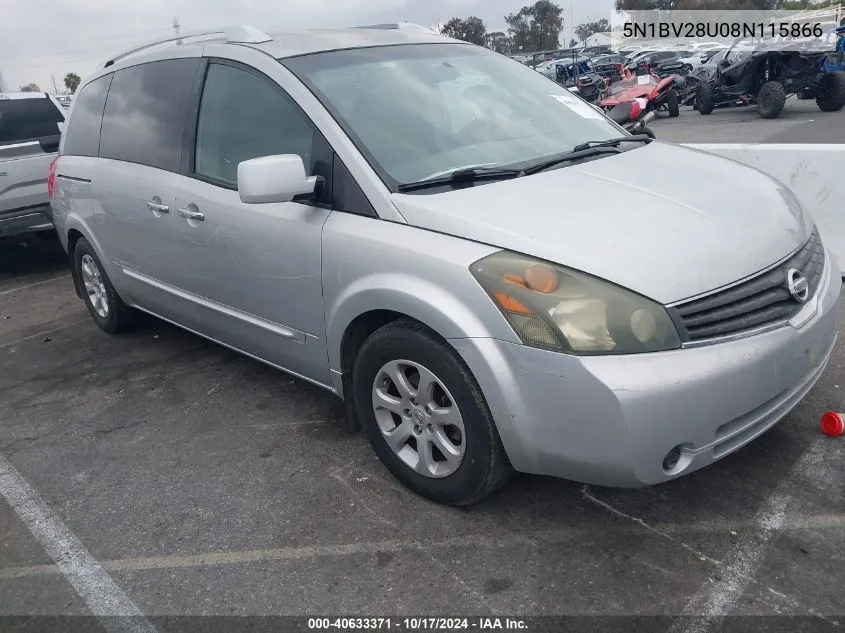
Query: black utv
{"points": [[767, 77]]}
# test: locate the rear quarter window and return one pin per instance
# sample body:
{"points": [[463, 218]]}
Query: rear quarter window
{"points": [[23, 120], [82, 137], [145, 113]]}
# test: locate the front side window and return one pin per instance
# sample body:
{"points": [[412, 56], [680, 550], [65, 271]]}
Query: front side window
{"points": [[244, 116], [417, 111]]}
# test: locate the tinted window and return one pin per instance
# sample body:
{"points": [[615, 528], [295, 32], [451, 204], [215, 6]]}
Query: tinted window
{"points": [[82, 137], [24, 120], [145, 113], [244, 116]]}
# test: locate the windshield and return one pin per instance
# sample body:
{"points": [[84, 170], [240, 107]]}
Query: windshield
{"points": [[417, 111]]}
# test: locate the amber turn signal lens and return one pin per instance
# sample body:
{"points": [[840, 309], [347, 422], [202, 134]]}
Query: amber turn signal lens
{"points": [[541, 278], [516, 280], [511, 304]]}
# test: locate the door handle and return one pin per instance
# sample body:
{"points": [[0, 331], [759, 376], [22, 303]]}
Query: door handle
{"points": [[191, 215], [158, 208]]}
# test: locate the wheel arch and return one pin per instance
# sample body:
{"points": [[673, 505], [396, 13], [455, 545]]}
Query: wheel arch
{"points": [[75, 229], [373, 302]]}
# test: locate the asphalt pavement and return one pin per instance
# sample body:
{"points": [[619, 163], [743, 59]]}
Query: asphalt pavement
{"points": [[187, 480], [800, 122]]}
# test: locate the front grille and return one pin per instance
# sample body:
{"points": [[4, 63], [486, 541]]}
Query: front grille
{"points": [[757, 302]]}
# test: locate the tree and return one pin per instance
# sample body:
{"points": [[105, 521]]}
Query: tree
{"points": [[546, 23], [30, 88], [72, 82], [572, 43], [583, 31], [470, 30], [519, 30], [536, 26], [499, 42]]}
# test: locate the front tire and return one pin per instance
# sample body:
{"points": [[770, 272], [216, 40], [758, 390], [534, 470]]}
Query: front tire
{"points": [[105, 307], [673, 104], [830, 96], [705, 100], [771, 99], [425, 415]]}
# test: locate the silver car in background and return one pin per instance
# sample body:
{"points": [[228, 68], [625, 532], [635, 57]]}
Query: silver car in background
{"points": [[30, 130], [411, 223]]}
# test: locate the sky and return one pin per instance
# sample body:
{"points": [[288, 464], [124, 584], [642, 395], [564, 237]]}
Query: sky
{"points": [[42, 39]]}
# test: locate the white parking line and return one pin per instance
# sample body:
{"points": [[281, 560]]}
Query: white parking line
{"points": [[521, 539], [100, 593], [32, 285], [715, 600]]}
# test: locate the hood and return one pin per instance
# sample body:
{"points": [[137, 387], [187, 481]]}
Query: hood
{"points": [[666, 221]]}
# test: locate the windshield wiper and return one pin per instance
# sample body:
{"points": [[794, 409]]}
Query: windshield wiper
{"points": [[461, 176], [586, 150], [613, 142], [569, 157]]}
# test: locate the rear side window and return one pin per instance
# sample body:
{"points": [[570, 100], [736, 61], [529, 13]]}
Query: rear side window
{"points": [[244, 116], [23, 120], [82, 137], [145, 113]]}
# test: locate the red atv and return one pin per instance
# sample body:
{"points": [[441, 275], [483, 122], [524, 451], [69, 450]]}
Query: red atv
{"points": [[659, 93]]}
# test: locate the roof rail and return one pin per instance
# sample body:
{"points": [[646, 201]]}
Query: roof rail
{"points": [[242, 34], [395, 26]]}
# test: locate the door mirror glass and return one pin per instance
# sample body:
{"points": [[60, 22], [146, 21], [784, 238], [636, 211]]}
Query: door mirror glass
{"points": [[279, 178]]}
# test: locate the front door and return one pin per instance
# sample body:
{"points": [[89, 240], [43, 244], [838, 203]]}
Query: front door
{"points": [[250, 274]]}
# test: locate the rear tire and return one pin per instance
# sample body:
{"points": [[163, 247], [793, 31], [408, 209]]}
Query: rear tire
{"points": [[771, 99], [409, 350], [830, 96], [705, 100], [105, 307], [673, 104]]}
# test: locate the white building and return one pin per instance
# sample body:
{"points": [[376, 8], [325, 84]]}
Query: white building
{"points": [[597, 39]]}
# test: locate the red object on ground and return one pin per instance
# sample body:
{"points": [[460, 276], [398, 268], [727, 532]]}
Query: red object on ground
{"points": [[833, 424], [630, 88]]}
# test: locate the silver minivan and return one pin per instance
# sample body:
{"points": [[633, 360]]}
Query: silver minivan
{"points": [[489, 272]]}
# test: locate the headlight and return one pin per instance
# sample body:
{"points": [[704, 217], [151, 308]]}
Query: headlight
{"points": [[554, 308]]}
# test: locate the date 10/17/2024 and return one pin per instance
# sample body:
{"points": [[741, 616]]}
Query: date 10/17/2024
{"points": [[418, 624]]}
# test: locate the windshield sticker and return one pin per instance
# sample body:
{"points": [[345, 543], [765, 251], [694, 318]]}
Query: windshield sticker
{"points": [[581, 108]]}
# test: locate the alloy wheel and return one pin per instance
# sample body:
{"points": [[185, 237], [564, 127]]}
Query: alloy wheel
{"points": [[95, 288], [419, 418]]}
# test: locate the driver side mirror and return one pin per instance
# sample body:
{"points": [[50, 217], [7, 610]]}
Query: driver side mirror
{"points": [[278, 178]]}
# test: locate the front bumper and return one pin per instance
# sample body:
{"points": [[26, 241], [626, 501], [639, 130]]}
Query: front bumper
{"points": [[611, 420], [27, 220]]}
